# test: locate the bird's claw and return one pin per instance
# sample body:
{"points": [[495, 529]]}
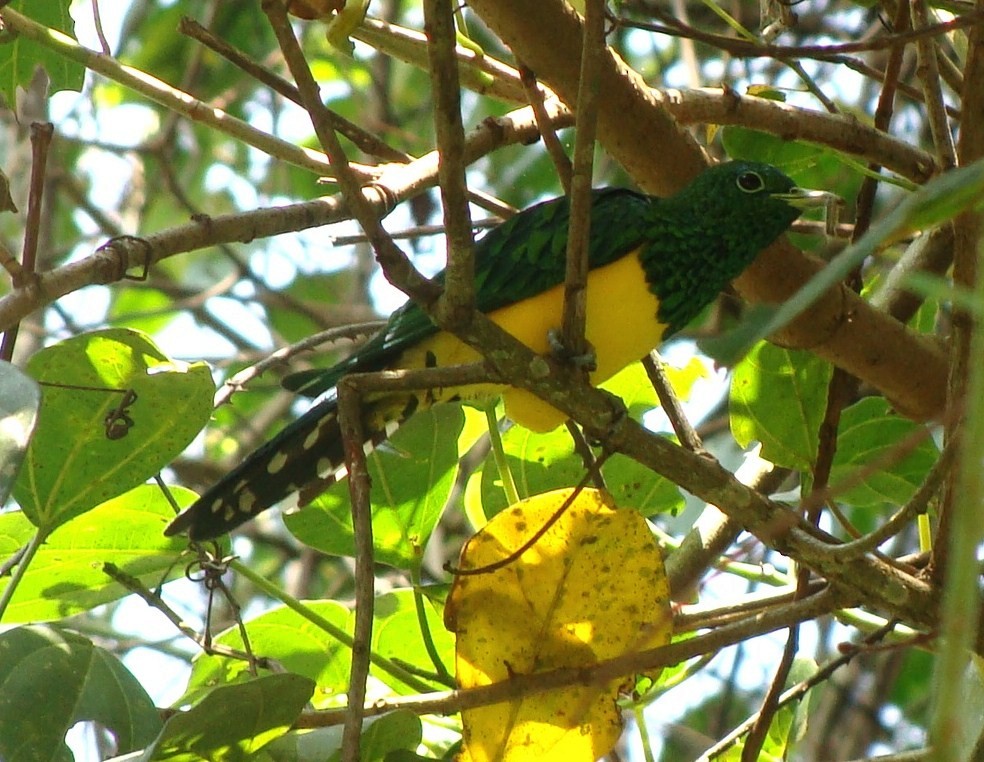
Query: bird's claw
{"points": [[587, 360]]}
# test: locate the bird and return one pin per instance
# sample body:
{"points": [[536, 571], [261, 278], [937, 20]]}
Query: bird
{"points": [[654, 264]]}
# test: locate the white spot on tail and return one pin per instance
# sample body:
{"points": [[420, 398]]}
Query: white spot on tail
{"points": [[277, 462], [289, 503], [311, 439], [247, 501]]}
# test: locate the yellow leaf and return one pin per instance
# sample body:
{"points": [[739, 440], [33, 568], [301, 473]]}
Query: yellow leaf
{"points": [[591, 588]]}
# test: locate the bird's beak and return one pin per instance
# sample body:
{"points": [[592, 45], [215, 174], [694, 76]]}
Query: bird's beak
{"points": [[803, 198]]}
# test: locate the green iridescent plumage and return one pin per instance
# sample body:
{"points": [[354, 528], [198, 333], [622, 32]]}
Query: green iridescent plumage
{"points": [[686, 247]]}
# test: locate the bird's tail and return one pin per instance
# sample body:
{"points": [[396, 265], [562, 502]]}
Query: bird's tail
{"points": [[292, 469]]}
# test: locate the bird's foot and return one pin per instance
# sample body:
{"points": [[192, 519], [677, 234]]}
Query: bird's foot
{"points": [[586, 360]]}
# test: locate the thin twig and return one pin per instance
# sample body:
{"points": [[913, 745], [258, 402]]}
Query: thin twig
{"points": [[555, 150], [171, 98], [759, 730], [364, 140], [514, 555], [900, 519], [583, 449], [97, 19], [152, 599], [237, 381], [685, 432], [751, 49], [349, 407], [637, 662], [796, 692], [929, 74], [350, 421], [26, 274]]}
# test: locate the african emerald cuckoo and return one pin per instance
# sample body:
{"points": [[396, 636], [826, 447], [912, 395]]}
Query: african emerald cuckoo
{"points": [[655, 263]]}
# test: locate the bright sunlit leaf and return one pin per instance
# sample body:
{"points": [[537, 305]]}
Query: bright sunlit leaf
{"points": [[591, 588]]}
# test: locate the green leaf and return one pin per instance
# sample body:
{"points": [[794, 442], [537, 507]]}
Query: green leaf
{"points": [[20, 398], [778, 397], [392, 732], [143, 309], [20, 56], [50, 680], [382, 737], [869, 435], [297, 644], [545, 462], [67, 575], [396, 636], [234, 721], [812, 166], [412, 478], [633, 386], [73, 464]]}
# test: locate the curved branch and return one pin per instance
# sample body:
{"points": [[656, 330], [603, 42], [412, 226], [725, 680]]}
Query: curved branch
{"points": [[840, 132]]}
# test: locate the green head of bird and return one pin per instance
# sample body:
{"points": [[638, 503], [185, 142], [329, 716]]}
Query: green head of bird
{"points": [[704, 236]]}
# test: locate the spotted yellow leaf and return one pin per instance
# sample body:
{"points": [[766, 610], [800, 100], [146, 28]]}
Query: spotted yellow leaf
{"points": [[591, 588]]}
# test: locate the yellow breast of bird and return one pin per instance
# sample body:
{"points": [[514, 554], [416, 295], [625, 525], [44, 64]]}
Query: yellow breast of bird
{"points": [[621, 327]]}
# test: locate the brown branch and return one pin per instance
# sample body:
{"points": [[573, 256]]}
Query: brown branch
{"points": [[112, 261], [837, 131], [639, 662], [759, 729], [928, 72], [555, 150], [748, 49], [684, 430], [458, 300], [349, 404], [479, 71], [575, 309], [350, 422], [24, 275]]}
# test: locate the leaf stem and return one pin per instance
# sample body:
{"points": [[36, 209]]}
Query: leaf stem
{"points": [[15, 579], [425, 630], [499, 455]]}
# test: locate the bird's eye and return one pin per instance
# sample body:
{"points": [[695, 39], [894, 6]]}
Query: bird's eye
{"points": [[750, 182]]}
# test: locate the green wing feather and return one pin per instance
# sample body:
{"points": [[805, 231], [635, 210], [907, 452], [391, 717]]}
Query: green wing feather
{"points": [[521, 258]]}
